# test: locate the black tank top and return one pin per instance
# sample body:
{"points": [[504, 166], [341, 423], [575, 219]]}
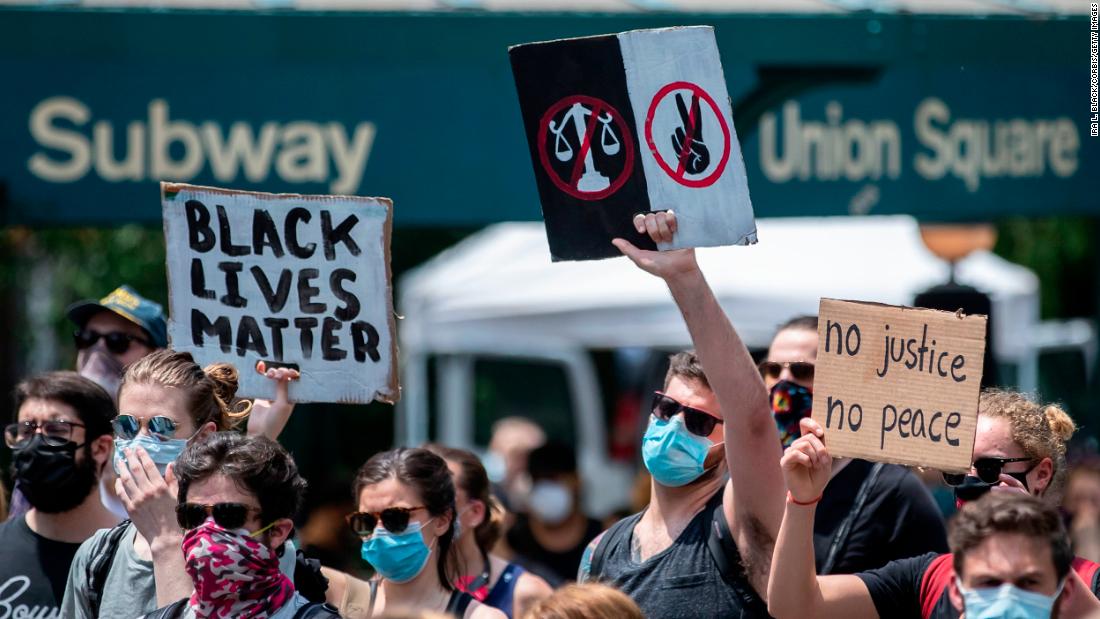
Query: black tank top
{"points": [[682, 580]]}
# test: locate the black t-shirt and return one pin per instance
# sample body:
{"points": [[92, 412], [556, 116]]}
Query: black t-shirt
{"points": [[896, 589], [900, 519], [33, 571], [556, 567]]}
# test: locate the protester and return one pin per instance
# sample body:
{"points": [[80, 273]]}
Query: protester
{"points": [[549, 539], [587, 601], [237, 495], [60, 443], [166, 400], [406, 513], [1082, 506], [479, 517], [871, 513], [113, 332], [924, 586], [506, 461], [704, 425]]}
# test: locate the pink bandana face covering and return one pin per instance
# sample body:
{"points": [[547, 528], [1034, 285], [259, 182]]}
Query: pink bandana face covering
{"points": [[235, 575]]}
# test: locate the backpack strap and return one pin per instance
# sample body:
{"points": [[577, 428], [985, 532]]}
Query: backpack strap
{"points": [[99, 564], [610, 537], [934, 583], [840, 538], [1089, 572], [172, 611], [727, 558], [459, 602], [316, 610]]}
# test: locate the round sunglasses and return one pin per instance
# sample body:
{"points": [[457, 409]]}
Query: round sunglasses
{"points": [[127, 426], [699, 423], [116, 341], [988, 470], [394, 520], [226, 515], [800, 370]]}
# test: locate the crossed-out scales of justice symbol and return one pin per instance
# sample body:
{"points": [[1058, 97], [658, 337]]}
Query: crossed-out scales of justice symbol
{"points": [[592, 180]]}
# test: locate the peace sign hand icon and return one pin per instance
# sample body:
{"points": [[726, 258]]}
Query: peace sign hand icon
{"points": [[688, 139]]}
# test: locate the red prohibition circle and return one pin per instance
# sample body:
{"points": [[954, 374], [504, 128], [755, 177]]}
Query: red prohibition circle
{"points": [[627, 141], [680, 177]]}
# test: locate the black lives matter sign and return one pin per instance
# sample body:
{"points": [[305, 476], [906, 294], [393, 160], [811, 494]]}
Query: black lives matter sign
{"points": [[292, 280], [634, 122]]}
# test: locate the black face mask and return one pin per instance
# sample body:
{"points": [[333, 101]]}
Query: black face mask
{"points": [[971, 489], [50, 477]]}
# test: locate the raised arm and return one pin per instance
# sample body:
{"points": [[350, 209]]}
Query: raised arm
{"points": [[268, 418], [795, 591], [754, 508]]}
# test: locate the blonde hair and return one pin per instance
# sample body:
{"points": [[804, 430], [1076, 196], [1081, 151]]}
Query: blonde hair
{"points": [[211, 392], [587, 601], [1040, 430]]}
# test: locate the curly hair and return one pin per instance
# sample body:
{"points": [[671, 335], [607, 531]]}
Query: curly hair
{"points": [[1040, 430]]}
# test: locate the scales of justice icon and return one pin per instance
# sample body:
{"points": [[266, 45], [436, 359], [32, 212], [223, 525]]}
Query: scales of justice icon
{"points": [[591, 180]]}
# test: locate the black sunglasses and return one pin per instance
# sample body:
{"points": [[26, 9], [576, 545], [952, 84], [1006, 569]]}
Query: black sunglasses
{"points": [[116, 341], [394, 520], [127, 426], [54, 433], [699, 423], [226, 515], [800, 370], [988, 470]]}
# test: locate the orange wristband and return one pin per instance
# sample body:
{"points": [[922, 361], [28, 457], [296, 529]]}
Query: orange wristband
{"points": [[791, 498]]}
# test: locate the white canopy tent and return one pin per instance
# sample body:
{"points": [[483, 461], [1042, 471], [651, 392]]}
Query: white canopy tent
{"points": [[497, 294], [500, 285]]}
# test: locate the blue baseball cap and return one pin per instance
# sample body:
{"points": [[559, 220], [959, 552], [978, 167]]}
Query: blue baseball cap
{"points": [[126, 302]]}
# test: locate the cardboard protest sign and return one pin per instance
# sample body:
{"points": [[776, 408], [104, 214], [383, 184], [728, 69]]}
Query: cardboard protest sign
{"points": [[627, 123], [288, 279], [898, 384]]}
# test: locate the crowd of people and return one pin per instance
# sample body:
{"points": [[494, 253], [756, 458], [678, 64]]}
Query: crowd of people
{"points": [[144, 487]]}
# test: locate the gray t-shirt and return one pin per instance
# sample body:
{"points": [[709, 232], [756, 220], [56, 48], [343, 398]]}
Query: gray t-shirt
{"points": [[130, 589]]}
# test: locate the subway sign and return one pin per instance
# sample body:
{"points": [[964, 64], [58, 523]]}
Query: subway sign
{"points": [[422, 108]]}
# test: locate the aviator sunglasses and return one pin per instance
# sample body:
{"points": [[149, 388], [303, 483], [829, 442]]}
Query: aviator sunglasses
{"points": [[800, 370], [226, 515], [116, 341], [697, 422], [988, 470], [127, 426], [394, 519]]}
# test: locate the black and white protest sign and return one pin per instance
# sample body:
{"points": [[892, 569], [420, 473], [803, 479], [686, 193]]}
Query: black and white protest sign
{"points": [[288, 279], [634, 122]]}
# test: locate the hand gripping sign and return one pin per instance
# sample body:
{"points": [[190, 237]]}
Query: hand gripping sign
{"points": [[634, 122], [286, 279], [898, 384]]}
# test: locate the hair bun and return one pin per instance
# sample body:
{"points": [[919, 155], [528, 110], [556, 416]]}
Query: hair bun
{"points": [[226, 380], [1059, 421]]}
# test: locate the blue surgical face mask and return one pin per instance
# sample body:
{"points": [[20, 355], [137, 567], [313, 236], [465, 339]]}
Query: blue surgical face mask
{"points": [[1006, 602], [397, 557], [673, 455], [161, 452]]}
